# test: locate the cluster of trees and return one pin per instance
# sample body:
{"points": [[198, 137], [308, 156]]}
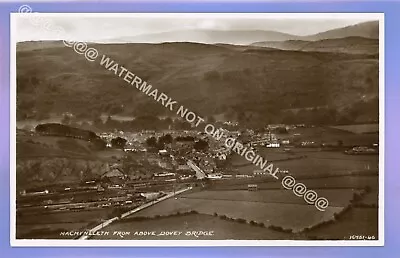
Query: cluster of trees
{"points": [[64, 130], [68, 131], [160, 142], [281, 130], [142, 218], [200, 145], [118, 143], [254, 223]]}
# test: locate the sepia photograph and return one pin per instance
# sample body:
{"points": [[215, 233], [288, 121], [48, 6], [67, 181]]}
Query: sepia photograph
{"points": [[197, 129]]}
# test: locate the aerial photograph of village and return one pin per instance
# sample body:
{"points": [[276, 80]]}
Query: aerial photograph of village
{"points": [[198, 127]]}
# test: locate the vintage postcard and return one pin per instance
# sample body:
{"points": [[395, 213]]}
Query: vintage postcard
{"points": [[196, 129]]}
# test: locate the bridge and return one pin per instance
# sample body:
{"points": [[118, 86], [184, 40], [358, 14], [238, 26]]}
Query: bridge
{"points": [[200, 174]]}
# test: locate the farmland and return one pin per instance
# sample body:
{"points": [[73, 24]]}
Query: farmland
{"points": [[268, 213], [221, 229], [313, 162], [357, 221], [332, 174], [350, 134], [371, 198], [325, 182], [47, 230], [271, 196]]}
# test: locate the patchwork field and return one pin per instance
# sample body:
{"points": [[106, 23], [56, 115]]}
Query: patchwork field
{"points": [[333, 175], [221, 229], [318, 163], [336, 198], [294, 216], [335, 183], [271, 154], [349, 134]]}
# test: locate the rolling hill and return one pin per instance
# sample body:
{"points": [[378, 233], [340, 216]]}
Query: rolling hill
{"points": [[351, 45], [243, 37], [240, 82], [368, 29]]}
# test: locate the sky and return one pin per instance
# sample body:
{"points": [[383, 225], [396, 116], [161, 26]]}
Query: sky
{"points": [[93, 27]]}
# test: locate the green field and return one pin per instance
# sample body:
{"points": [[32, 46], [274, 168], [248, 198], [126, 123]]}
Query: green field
{"points": [[318, 167], [334, 134], [357, 221], [337, 198], [333, 175], [334, 183], [340, 182], [294, 216], [317, 163], [331, 163], [371, 198], [195, 222]]}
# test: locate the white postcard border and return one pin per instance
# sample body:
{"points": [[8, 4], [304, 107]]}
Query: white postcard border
{"points": [[195, 243]]}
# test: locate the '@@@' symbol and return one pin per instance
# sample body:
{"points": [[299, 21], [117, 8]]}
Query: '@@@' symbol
{"points": [[310, 196], [91, 54]]}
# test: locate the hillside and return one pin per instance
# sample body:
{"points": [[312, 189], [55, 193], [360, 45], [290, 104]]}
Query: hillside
{"points": [[365, 29], [240, 82], [38, 45], [351, 45]]}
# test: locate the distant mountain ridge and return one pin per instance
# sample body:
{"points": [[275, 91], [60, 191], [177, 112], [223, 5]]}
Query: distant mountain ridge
{"points": [[351, 45], [245, 37], [368, 29]]}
